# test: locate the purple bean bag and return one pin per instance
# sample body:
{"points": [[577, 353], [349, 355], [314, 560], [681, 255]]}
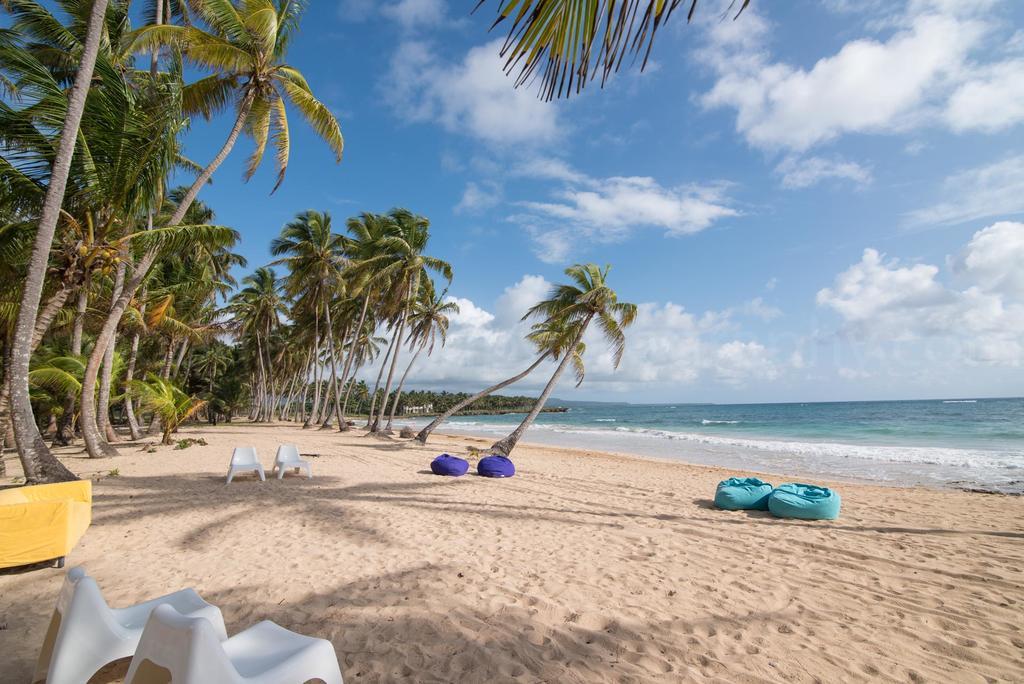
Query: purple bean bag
{"points": [[445, 464], [495, 466]]}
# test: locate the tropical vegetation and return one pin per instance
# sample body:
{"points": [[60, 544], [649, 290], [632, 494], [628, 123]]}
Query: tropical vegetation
{"points": [[120, 313]]}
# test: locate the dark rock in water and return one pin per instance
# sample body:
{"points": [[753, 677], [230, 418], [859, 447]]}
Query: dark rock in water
{"points": [[407, 433]]}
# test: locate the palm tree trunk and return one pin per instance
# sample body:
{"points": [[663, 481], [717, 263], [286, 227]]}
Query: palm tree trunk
{"points": [[376, 385], [398, 392], [103, 410], [425, 432], [271, 396], [334, 366], [343, 421], [314, 411], [155, 423], [348, 390], [399, 334], [90, 430], [38, 463], [262, 380], [506, 445], [179, 358]]}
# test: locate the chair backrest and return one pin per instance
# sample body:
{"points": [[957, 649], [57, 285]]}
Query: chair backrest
{"points": [[244, 456], [187, 647], [287, 453]]}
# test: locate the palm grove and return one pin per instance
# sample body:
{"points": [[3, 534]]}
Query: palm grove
{"points": [[117, 301]]}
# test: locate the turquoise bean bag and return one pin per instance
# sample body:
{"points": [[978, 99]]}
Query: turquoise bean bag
{"points": [[804, 501], [742, 494]]}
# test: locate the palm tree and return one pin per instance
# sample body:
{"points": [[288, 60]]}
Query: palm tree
{"points": [[560, 35], [551, 337], [428, 321], [245, 46], [315, 259], [402, 265], [577, 305], [39, 465], [213, 360], [163, 397], [256, 310]]}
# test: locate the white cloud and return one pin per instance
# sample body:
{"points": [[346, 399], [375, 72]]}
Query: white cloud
{"points": [[415, 13], [803, 172], [612, 206], [666, 346], [996, 189], [478, 197], [991, 101], [757, 308], [610, 209], [882, 300], [472, 96], [931, 68]]}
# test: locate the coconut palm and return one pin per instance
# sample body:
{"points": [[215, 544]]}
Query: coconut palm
{"points": [[39, 465], [402, 266], [315, 256], [428, 322], [163, 397], [257, 309], [212, 361], [573, 40], [245, 47], [586, 299], [551, 338]]}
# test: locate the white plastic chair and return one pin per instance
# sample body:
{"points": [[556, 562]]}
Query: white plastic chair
{"points": [[244, 460], [288, 457], [85, 633], [266, 653]]}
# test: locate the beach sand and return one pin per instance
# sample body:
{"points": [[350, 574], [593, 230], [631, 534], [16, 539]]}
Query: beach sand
{"points": [[585, 567]]}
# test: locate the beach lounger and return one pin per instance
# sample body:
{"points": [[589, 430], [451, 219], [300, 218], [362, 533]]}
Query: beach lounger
{"points": [[86, 634], [244, 460], [288, 457], [266, 653]]}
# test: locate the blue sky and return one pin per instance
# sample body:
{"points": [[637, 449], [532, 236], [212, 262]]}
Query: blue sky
{"points": [[734, 186]]}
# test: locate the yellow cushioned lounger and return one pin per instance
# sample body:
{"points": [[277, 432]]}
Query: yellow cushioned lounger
{"points": [[43, 522]]}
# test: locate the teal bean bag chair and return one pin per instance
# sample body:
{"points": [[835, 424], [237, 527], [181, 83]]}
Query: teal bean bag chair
{"points": [[742, 494], [804, 501]]}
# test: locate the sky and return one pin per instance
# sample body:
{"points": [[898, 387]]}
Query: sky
{"points": [[817, 201]]}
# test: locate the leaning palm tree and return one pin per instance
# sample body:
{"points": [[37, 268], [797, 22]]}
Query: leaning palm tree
{"points": [[38, 463], [245, 46], [550, 337], [573, 40], [588, 298], [165, 399]]}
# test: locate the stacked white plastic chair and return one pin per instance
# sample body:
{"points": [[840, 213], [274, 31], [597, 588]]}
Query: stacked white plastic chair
{"points": [[288, 457], [245, 460], [85, 633], [191, 651]]}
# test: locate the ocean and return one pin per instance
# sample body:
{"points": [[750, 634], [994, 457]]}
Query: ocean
{"points": [[971, 443]]}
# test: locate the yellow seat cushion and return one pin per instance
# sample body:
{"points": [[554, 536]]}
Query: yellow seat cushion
{"points": [[43, 522]]}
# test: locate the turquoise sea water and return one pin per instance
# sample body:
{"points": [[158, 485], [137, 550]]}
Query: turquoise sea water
{"points": [[960, 442]]}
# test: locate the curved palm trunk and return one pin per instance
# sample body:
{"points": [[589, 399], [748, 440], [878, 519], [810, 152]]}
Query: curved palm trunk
{"points": [[334, 369], [103, 411], [506, 445], [271, 400], [376, 385], [90, 431], [348, 391], [66, 426], [129, 404], [398, 391], [314, 411], [39, 464], [342, 420], [425, 432], [399, 334]]}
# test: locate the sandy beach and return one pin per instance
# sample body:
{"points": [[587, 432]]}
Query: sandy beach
{"points": [[586, 567]]}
